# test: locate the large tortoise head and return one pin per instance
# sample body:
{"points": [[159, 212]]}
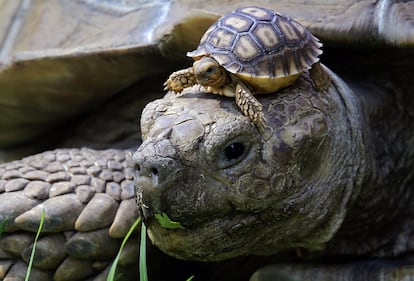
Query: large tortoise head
{"points": [[206, 166]]}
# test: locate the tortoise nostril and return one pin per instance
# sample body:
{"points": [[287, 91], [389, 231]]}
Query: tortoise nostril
{"points": [[157, 168], [154, 171]]}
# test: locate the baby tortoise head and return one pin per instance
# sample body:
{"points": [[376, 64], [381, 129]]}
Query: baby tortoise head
{"points": [[209, 73]]}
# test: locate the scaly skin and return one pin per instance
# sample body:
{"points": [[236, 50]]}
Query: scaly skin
{"points": [[89, 204], [333, 179]]}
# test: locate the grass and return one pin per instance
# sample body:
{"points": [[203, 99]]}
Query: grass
{"points": [[29, 267], [143, 272], [143, 275], [112, 272]]}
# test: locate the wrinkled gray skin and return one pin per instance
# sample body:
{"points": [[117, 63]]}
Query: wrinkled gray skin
{"points": [[334, 178]]}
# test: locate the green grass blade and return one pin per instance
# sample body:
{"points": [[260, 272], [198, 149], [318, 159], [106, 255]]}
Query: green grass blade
{"points": [[190, 278], [29, 267], [166, 222], [143, 274], [111, 274]]}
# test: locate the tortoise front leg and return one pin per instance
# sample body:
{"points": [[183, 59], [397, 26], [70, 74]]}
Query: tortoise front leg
{"points": [[181, 79], [250, 106]]}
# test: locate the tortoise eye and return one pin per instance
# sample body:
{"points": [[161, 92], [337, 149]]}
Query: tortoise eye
{"points": [[212, 71], [209, 70], [234, 151]]}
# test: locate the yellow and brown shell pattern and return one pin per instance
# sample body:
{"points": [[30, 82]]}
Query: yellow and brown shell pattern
{"points": [[260, 46], [257, 50]]}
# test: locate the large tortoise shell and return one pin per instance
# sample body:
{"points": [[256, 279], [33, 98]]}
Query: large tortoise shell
{"points": [[257, 42]]}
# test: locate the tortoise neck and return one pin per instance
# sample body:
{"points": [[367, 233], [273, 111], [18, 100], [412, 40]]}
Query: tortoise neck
{"points": [[381, 208]]}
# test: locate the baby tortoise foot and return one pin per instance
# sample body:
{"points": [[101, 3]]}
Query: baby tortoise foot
{"points": [[179, 80]]}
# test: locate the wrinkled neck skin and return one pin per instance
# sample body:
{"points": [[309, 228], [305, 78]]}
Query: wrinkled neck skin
{"points": [[313, 185], [380, 215]]}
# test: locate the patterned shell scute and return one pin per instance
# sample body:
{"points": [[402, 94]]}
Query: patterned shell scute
{"points": [[258, 42]]}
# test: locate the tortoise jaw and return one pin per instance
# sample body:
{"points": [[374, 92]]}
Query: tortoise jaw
{"points": [[192, 242], [213, 239], [150, 196], [187, 204], [142, 186]]}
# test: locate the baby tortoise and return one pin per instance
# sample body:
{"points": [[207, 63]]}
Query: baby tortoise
{"points": [[249, 51]]}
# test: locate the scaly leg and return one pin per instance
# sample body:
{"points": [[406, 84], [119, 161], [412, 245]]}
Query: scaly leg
{"points": [[320, 77], [250, 106], [181, 79]]}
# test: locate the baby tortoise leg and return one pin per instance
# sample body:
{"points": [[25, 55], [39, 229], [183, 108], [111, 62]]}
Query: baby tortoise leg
{"points": [[181, 79], [320, 77], [250, 106], [226, 91]]}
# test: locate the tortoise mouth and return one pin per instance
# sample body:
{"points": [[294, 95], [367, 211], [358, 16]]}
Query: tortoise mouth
{"points": [[189, 221], [211, 239], [160, 213], [187, 196]]}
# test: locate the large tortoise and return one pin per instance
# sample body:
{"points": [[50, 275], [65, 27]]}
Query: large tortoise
{"points": [[354, 138]]}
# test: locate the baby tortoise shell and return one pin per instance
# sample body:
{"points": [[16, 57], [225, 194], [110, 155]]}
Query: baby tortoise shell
{"points": [[252, 50]]}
